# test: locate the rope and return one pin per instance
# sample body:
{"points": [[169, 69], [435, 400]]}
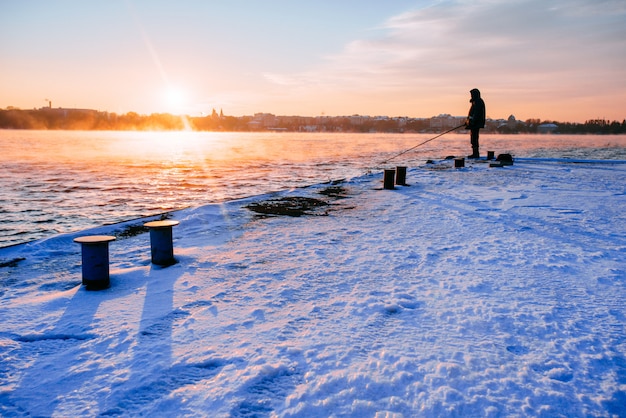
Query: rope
{"points": [[420, 144]]}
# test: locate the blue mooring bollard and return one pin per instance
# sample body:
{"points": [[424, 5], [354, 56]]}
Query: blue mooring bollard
{"points": [[161, 242], [95, 260]]}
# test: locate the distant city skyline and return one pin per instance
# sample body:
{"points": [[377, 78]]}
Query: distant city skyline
{"points": [[215, 113], [58, 118], [553, 60]]}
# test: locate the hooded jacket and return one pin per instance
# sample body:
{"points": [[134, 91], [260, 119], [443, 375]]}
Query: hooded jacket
{"points": [[476, 116]]}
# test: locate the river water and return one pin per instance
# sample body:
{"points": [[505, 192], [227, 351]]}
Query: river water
{"points": [[61, 181]]}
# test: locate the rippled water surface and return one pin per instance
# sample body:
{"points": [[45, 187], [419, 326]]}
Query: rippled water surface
{"points": [[60, 181]]}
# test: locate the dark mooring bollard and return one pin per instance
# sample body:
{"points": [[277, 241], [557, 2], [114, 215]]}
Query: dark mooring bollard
{"points": [[389, 179], [401, 176], [161, 242], [459, 162], [95, 260], [490, 155]]}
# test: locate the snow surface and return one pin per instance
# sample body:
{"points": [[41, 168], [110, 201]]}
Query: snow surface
{"points": [[471, 292]]}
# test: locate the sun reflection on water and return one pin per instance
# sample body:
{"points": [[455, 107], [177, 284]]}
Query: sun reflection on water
{"points": [[57, 181]]}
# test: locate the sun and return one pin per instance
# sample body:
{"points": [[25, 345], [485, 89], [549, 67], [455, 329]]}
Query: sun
{"points": [[175, 99]]}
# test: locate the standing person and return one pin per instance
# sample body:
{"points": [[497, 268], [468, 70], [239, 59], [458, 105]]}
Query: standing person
{"points": [[475, 120]]}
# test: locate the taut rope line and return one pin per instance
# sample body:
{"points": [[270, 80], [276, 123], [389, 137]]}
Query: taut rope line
{"points": [[420, 144]]}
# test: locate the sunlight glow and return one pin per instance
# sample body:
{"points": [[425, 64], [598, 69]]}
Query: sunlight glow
{"points": [[175, 99]]}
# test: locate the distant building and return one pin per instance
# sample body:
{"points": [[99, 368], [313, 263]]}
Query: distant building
{"points": [[263, 120], [511, 122], [445, 121], [547, 128], [357, 120]]}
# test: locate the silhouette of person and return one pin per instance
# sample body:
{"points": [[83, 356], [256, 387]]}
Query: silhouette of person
{"points": [[475, 120]]}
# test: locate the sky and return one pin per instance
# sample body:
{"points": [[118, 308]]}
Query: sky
{"points": [[561, 60]]}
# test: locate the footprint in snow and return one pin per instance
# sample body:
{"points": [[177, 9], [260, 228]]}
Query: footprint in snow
{"points": [[517, 349], [268, 390]]}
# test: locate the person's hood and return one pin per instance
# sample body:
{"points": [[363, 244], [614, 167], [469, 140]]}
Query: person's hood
{"points": [[475, 94]]}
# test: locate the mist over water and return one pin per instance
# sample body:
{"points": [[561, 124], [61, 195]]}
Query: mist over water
{"points": [[61, 181]]}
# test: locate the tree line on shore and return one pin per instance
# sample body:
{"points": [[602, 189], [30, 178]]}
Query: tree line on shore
{"points": [[87, 119]]}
